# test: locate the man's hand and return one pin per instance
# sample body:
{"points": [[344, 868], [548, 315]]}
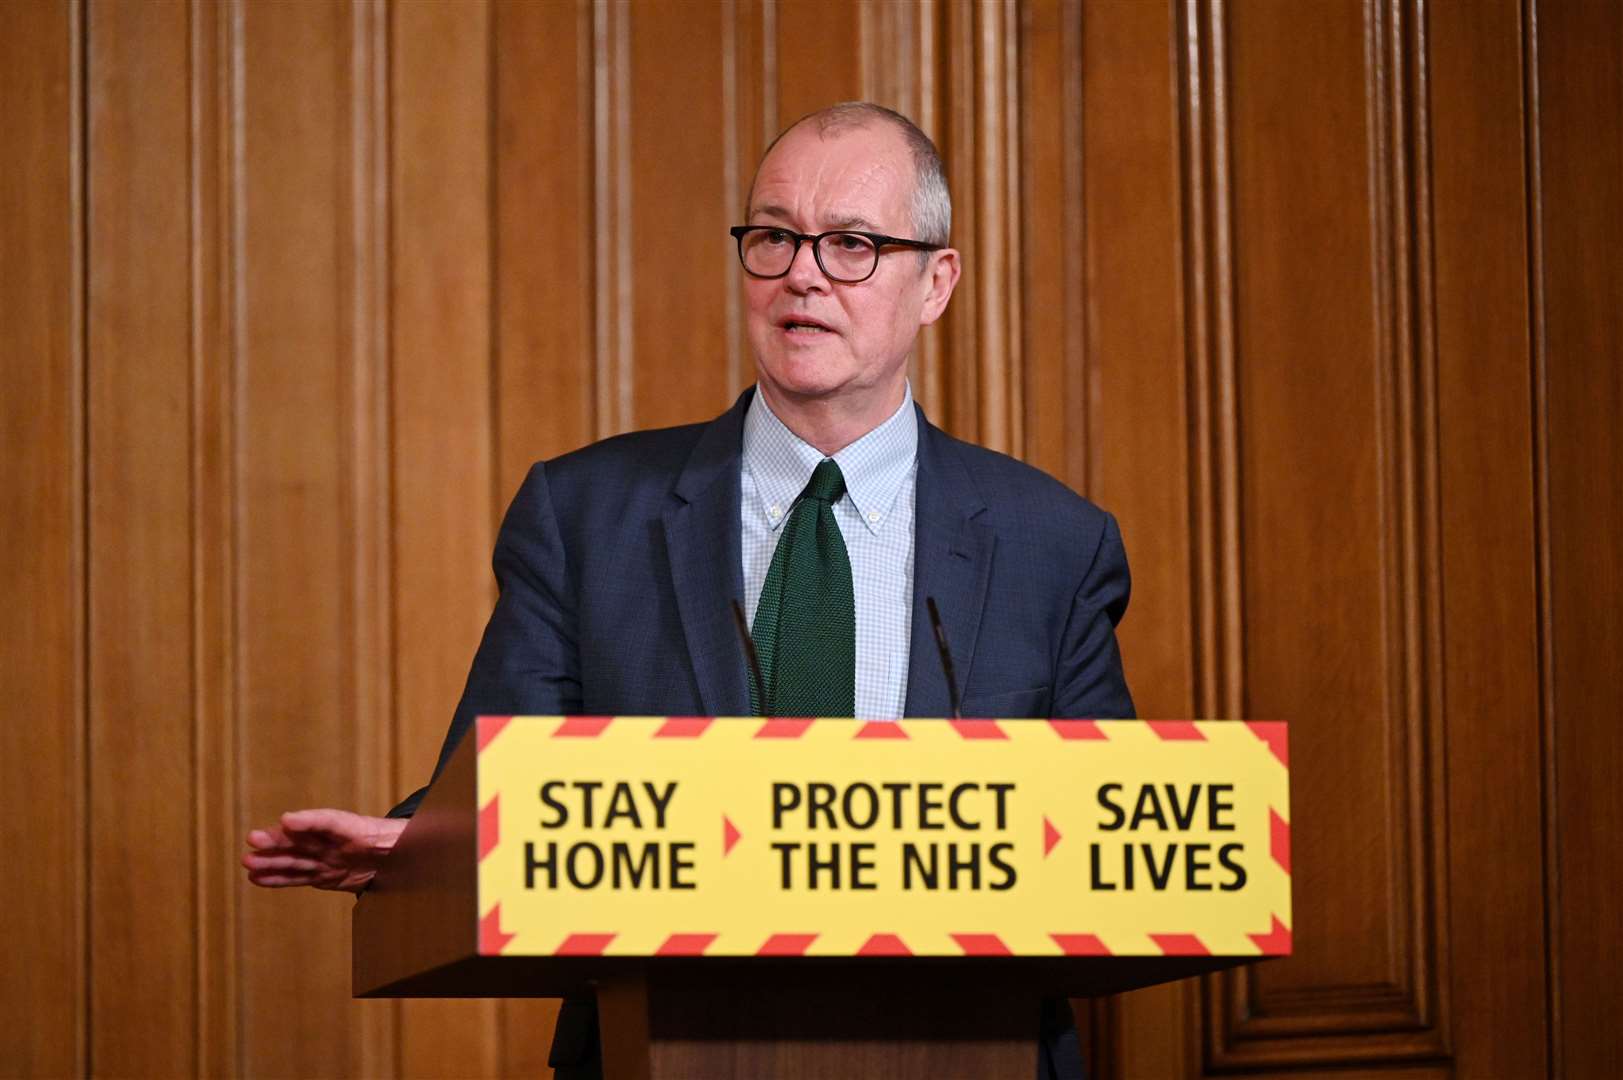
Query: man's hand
{"points": [[330, 849]]}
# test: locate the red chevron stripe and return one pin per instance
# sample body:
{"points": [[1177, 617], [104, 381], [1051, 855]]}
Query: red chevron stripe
{"points": [[492, 940], [1176, 730], [1279, 839], [489, 827], [729, 835], [1275, 735], [786, 945], [581, 727], [488, 727], [881, 729], [1080, 945], [884, 945], [1180, 945], [1276, 942], [682, 727], [981, 944], [685, 945], [584, 945], [1078, 729], [979, 729], [783, 728]]}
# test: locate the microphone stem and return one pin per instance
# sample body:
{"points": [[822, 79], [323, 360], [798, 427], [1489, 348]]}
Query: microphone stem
{"points": [[946, 656]]}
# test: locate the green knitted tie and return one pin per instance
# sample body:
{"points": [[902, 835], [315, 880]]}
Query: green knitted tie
{"points": [[806, 623]]}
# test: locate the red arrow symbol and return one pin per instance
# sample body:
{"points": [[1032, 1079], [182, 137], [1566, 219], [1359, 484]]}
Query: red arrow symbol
{"points": [[1051, 836], [729, 835]]}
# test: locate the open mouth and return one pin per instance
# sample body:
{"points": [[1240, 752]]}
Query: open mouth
{"points": [[804, 326]]}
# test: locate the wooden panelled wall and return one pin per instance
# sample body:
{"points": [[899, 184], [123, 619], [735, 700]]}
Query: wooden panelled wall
{"points": [[1320, 298]]}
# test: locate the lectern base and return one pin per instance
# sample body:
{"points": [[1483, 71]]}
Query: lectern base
{"points": [[653, 1029]]}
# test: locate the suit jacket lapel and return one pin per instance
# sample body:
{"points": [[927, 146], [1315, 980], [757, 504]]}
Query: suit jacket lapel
{"points": [[952, 561], [703, 543]]}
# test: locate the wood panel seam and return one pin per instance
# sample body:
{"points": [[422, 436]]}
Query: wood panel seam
{"points": [[236, 323], [1538, 360], [498, 496], [78, 47], [215, 884], [1413, 275]]}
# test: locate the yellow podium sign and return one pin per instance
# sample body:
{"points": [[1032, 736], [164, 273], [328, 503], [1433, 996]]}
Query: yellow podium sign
{"points": [[655, 836]]}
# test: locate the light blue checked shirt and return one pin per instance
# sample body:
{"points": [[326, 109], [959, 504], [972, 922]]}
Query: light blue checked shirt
{"points": [[876, 521]]}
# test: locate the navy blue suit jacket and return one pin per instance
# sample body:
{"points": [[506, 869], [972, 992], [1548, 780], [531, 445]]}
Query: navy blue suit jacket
{"points": [[617, 565]]}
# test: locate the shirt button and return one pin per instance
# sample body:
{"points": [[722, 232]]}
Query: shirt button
{"points": [[774, 512], [873, 517]]}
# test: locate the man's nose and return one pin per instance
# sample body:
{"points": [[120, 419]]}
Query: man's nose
{"points": [[804, 274]]}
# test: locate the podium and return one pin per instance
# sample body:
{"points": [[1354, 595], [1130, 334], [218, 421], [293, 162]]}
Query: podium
{"points": [[684, 1004]]}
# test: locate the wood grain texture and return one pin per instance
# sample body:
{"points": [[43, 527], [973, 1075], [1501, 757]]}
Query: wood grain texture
{"points": [[952, 383], [902, 60], [679, 207], [543, 229], [921, 1037], [141, 929], [1055, 420], [1132, 384], [1208, 317], [292, 103], [1122, 434], [443, 454], [1317, 299], [998, 337], [1485, 489], [1339, 593], [817, 52], [43, 984], [1317, 575], [1208, 314], [214, 714], [613, 258], [1579, 160], [366, 611], [542, 249], [745, 134]]}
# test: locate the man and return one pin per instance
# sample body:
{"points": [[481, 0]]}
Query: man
{"points": [[618, 564]]}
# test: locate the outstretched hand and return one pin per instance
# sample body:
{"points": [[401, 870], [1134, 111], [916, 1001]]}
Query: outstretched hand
{"points": [[329, 849]]}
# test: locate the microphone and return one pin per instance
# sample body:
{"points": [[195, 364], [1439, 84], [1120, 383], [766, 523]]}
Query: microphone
{"points": [[743, 627], [946, 656]]}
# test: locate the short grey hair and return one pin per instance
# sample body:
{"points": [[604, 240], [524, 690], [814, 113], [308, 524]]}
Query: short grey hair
{"points": [[932, 202]]}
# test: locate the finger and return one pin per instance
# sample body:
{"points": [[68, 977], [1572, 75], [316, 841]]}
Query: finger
{"points": [[331, 822], [257, 863], [282, 862], [275, 879], [268, 839], [323, 833], [318, 832]]}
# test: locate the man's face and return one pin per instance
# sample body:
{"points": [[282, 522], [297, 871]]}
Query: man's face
{"points": [[860, 179]]}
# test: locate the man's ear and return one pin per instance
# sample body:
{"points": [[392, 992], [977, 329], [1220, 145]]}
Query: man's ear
{"points": [[943, 274]]}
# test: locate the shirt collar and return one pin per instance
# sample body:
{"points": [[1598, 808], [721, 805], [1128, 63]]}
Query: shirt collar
{"points": [[875, 466]]}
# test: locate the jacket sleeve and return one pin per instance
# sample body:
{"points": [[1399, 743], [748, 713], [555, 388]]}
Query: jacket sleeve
{"points": [[528, 661], [1089, 682]]}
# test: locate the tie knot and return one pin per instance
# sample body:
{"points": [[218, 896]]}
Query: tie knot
{"points": [[826, 483]]}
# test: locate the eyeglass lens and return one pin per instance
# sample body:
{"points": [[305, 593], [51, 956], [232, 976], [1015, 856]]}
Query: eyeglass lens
{"points": [[843, 256]]}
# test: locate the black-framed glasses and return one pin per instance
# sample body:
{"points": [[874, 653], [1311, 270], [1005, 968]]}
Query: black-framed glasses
{"points": [[843, 255]]}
